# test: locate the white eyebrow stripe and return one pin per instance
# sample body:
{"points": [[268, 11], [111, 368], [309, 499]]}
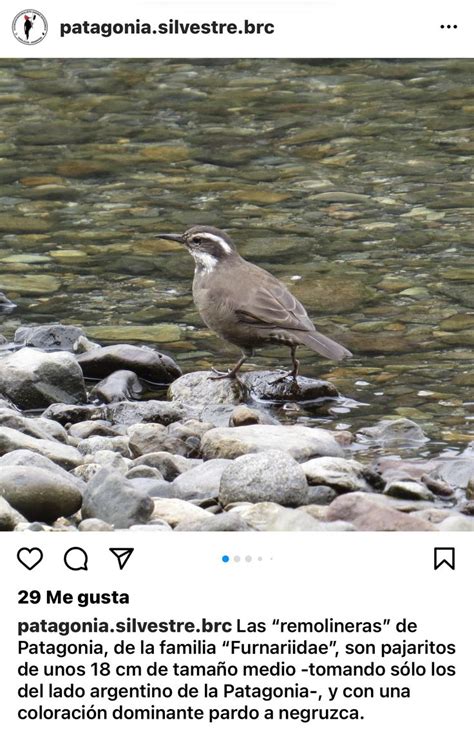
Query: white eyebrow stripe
{"points": [[214, 238]]}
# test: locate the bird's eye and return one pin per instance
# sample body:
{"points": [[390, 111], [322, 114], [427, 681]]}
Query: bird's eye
{"points": [[196, 240]]}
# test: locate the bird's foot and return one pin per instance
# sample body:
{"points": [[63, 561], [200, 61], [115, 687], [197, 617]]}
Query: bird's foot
{"points": [[290, 374]]}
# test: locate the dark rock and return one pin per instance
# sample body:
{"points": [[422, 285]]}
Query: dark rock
{"points": [[123, 385], [226, 522], [438, 487], [111, 497], [6, 305], [39, 494], [271, 385], [49, 336], [66, 413], [147, 363], [9, 517], [264, 476], [33, 379]]}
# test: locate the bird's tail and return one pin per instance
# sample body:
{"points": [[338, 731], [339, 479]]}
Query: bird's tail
{"points": [[325, 346]]}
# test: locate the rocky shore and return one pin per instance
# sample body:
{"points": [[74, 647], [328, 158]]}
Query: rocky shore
{"points": [[84, 446]]}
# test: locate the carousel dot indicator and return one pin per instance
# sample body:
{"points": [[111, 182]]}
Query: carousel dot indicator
{"points": [[225, 558], [237, 558]]}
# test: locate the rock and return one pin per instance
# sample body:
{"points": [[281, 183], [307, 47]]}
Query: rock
{"points": [[174, 511], [109, 458], [123, 385], [9, 517], [6, 305], [111, 497], [399, 433], [198, 389], [341, 475], [144, 471], [64, 455], [264, 476], [434, 516], [438, 487], [65, 413], [39, 494], [189, 428], [154, 525], [33, 379], [170, 466], [366, 515], [27, 459], [85, 429], [226, 522], [321, 495], [262, 385], [271, 517], [146, 438], [147, 363], [136, 412], [33, 427], [300, 442], [408, 489], [201, 481], [87, 471], [91, 445], [153, 487], [456, 473], [461, 523], [95, 525], [243, 416], [49, 336]]}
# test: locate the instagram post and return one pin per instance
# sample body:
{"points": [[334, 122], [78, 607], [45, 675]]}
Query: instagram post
{"points": [[236, 345]]}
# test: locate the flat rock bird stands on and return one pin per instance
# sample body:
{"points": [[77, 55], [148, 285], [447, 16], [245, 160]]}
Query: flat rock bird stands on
{"points": [[246, 305]]}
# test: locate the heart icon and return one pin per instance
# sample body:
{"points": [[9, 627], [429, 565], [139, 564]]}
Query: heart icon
{"points": [[30, 557]]}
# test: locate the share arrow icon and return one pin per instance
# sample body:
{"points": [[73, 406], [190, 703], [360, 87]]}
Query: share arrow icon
{"points": [[122, 554]]}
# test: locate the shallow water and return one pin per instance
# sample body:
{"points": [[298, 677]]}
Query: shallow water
{"points": [[349, 180]]}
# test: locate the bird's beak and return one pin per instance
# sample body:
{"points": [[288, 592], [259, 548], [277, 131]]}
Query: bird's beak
{"points": [[172, 237]]}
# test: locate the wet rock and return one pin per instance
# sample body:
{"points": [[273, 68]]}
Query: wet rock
{"points": [[199, 389], [174, 511], [341, 475], [123, 385], [264, 476], [135, 412], [111, 497], [26, 459], [49, 336], [399, 433], [95, 525], [64, 455], [65, 413], [93, 444], [243, 416], [226, 522], [366, 515], [200, 482], [9, 517], [33, 379], [273, 386], [85, 429], [455, 473], [6, 305], [438, 487], [300, 442], [146, 438], [169, 465], [147, 363], [409, 489], [39, 494]]}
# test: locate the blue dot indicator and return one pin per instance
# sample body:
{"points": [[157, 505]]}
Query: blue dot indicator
{"points": [[225, 558]]}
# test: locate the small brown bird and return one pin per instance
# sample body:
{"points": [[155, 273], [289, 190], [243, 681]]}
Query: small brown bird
{"points": [[246, 305]]}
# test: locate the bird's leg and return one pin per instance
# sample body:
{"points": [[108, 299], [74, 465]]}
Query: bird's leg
{"points": [[293, 373], [232, 373]]}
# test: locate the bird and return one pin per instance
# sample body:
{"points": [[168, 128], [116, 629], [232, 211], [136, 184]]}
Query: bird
{"points": [[246, 305]]}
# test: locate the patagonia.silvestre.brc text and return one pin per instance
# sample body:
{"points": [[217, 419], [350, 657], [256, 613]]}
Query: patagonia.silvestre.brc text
{"points": [[172, 26]]}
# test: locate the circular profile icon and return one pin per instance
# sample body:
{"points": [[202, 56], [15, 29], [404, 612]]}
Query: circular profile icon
{"points": [[29, 27]]}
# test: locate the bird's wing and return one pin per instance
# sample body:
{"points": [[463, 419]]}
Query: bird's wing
{"points": [[272, 305]]}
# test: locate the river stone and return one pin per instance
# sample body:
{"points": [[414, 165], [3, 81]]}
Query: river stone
{"points": [[200, 482], [456, 473], [27, 458], [147, 363], [65, 413], [49, 336], [174, 511], [122, 385], [399, 433], [154, 525], [460, 523], [146, 438], [169, 465], [272, 385], [366, 515], [243, 416], [95, 525], [229, 521], [143, 471], [39, 494], [111, 497], [272, 517], [264, 476], [94, 444], [85, 429], [9, 517], [34, 379], [6, 305], [199, 389], [408, 489], [109, 458], [64, 455], [341, 475], [135, 412], [33, 427], [299, 441]]}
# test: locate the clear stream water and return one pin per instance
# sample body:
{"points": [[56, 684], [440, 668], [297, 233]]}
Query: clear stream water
{"points": [[352, 181]]}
